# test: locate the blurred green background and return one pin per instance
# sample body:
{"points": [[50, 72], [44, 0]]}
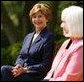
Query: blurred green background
{"points": [[15, 24]]}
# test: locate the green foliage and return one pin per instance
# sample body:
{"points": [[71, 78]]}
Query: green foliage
{"points": [[4, 39], [15, 11], [9, 54], [14, 6], [57, 29]]}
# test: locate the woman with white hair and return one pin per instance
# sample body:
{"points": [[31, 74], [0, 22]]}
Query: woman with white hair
{"points": [[68, 63]]}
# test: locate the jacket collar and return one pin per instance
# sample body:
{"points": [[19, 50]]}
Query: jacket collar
{"points": [[39, 37]]}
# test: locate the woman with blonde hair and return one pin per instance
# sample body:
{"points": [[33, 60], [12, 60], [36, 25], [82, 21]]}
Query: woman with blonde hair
{"points": [[68, 63], [35, 56]]}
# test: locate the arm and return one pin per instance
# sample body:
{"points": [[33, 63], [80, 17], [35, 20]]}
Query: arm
{"points": [[20, 58], [74, 69]]}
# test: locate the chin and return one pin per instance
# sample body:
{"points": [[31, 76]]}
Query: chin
{"points": [[38, 26], [66, 35]]}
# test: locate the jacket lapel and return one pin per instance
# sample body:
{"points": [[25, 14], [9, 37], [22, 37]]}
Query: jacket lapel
{"points": [[38, 38], [27, 44], [30, 39]]}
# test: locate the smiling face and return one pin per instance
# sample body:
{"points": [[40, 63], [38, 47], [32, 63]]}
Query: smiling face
{"points": [[39, 20]]}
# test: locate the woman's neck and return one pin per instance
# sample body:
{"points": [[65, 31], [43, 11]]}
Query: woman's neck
{"points": [[76, 39], [39, 30]]}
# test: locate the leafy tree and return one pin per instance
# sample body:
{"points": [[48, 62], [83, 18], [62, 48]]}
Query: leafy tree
{"points": [[8, 25], [15, 24]]}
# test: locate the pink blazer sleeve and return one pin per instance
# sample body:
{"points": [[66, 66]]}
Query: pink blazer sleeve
{"points": [[74, 69]]}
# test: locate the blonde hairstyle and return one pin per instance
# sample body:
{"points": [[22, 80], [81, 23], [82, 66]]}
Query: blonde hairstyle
{"points": [[44, 8], [74, 17]]}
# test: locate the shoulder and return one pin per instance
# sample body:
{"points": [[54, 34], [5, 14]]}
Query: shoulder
{"points": [[78, 45], [45, 33], [65, 42], [28, 35], [48, 36]]}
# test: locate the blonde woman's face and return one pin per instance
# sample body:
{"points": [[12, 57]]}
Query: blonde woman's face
{"points": [[39, 20], [64, 26]]}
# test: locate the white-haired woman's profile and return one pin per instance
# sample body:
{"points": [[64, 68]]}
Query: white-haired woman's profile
{"points": [[68, 63]]}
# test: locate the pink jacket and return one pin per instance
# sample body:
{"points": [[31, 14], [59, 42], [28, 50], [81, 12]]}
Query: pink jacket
{"points": [[68, 63]]}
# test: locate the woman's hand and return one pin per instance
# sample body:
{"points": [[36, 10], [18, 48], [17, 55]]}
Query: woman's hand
{"points": [[17, 66], [18, 70]]}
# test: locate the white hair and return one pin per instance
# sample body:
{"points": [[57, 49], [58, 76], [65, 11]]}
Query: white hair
{"points": [[74, 17]]}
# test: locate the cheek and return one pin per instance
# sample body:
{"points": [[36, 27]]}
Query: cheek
{"points": [[45, 20], [32, 20]]}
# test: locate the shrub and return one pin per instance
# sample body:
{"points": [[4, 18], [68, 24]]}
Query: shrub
{"points": [[9, 54]]}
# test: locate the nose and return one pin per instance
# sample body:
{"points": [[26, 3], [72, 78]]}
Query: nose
{"points": [[60, 23]]}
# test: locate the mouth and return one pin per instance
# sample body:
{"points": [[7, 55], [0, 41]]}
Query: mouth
{"points": [[38, 23]]}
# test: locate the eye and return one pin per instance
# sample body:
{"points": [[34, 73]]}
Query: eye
{"points": [[34, 16], [60, 22]]}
